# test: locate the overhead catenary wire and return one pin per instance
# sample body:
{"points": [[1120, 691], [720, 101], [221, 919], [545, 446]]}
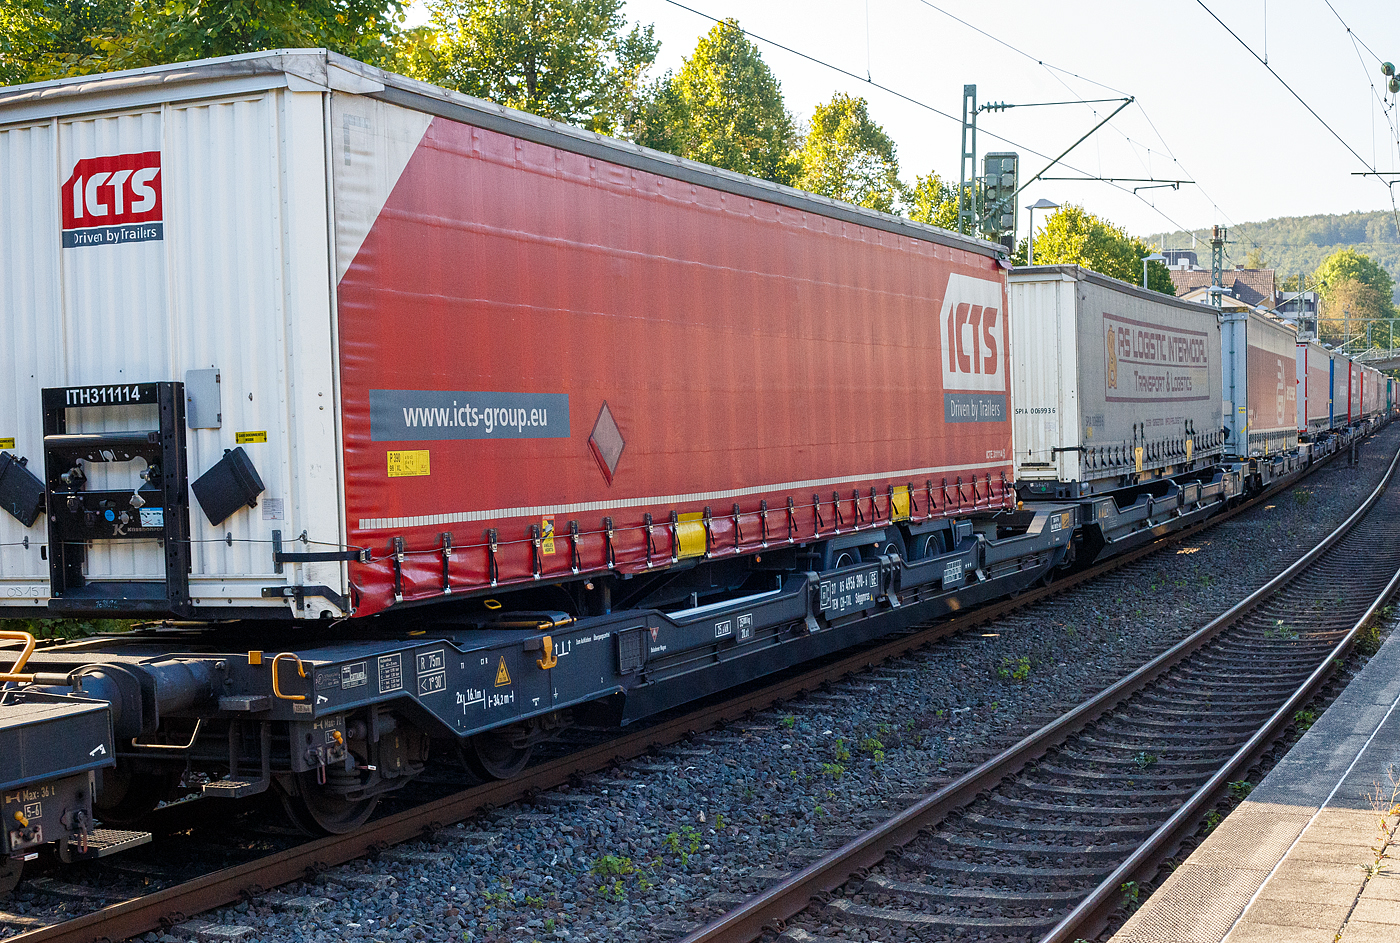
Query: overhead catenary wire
{"points": [[921, 104], [1395, 209]]}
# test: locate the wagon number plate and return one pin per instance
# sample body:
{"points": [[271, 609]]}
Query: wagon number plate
{"points": [[850, 592]]}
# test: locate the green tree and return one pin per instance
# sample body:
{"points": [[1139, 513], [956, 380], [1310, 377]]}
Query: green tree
{"points": [[724, 107], [933, 200], [570, 60], [1072, 236], [1354, 288], [45, 39], [847, 156], [1349, 265], [179, 30], [50, 39]]}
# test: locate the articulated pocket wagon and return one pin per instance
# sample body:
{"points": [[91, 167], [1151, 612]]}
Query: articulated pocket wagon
{"points": [[419, 419]]}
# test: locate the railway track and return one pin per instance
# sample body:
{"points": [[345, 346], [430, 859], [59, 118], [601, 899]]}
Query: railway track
{"points": [[1046, 840], [290, 862]]}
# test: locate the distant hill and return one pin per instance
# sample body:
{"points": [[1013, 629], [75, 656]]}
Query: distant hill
{"points": [[1292, 244]]}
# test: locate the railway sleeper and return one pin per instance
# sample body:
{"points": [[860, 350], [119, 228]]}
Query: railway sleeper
{"points": [[861, 913]]}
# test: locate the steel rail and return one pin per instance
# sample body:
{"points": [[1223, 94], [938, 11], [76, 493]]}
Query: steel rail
{"points": [[175, 904], [1093, 913], [769, 909]]}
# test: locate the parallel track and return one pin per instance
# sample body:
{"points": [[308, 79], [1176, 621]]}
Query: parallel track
{"points": [[176, 903], [1040, 842]]}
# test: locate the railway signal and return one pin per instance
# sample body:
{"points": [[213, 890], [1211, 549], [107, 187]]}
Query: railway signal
{"points": [[1000, 173]]}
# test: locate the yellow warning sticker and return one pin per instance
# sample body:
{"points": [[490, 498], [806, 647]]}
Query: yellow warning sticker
{"points": [[7, 443], [243, 438], [502, 675], [547, 535], [406, 464]]}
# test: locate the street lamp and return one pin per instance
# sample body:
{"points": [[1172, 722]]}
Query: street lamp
{"points": [[1154, 257], [1041, 204]]}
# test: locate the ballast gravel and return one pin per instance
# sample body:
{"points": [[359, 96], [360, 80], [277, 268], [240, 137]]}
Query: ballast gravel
{"points": [[658, 846]]}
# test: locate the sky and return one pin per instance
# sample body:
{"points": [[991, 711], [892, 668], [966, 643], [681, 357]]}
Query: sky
{"points": [[1206, 109]]}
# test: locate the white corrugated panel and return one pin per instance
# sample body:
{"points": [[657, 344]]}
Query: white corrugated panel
{"points": [[240, 282], [1045, 368], [32, 328]]}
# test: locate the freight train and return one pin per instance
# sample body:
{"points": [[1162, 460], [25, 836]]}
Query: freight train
{"points": [[406, 422]]}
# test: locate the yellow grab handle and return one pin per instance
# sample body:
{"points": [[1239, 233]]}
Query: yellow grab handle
{"points": [[276, 689], [14, 674]]}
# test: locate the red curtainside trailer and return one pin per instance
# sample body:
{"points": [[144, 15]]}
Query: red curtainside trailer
{"points": [[484, 351], [565, 365]]}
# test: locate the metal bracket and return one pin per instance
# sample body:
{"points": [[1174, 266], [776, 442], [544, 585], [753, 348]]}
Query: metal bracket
{"points": [[358, 555], [303, 592]]}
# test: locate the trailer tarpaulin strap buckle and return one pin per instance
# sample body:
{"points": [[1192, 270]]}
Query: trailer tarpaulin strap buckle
{"points": [[763, 520], [491, 556], [446, 561], [738, 529], [646, 523], [608, 540], [791, 519], [398, 568], [575, 560]]}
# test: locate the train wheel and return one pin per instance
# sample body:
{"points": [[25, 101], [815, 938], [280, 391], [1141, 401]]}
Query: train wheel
{"points": [[127, 796], [10, 870], [932, 545], [494, 756], [317, 811], [892, 545]]}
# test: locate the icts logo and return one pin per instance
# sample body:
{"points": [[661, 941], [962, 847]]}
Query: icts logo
{"points": [[974, 335], [110, 200]]}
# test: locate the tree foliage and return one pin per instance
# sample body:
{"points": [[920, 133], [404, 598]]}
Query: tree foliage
{"points": [[49, 39], [933, 200], [46, 39], [570, 60], [847, 156], [1072, 236], [1295, 244], [724, 107], [1353, 285]]}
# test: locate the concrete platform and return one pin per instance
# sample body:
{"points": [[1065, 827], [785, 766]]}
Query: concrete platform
{"points": [[1302, 859]]}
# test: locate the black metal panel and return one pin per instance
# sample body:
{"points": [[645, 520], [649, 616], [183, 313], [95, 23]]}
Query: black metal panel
{"points": [[158, 509], [21, 491], [232, 483], [48, 736]]}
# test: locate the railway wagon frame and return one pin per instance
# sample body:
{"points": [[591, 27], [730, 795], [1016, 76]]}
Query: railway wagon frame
{"points": [[242, 281]]}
